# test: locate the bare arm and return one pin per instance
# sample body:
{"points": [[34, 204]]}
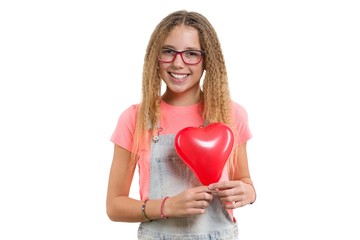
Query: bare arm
{"points": [[121, 208], [241, 166], [239, 190]]}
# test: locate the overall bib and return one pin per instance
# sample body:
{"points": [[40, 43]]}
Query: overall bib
{"points": [[169, 176]]}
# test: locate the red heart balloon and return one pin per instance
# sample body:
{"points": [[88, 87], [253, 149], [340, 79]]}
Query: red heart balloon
{"points": [[205, 150]]}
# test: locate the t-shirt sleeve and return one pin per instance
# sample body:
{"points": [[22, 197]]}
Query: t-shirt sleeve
{"points": [[123, 134], [241, 121]]}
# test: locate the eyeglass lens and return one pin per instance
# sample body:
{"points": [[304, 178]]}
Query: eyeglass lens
{"points": [[188, 56]]}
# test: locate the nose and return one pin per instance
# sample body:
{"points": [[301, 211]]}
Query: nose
{"points": [[178, 62]]}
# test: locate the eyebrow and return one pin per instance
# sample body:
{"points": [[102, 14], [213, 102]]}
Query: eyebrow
{"points": [[174, 48]]}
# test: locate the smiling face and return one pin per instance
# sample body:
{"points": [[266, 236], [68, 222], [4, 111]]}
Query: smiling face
{"points": [[182, 80]]}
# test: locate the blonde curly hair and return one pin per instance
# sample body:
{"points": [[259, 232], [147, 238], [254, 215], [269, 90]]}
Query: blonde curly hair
{"points": [[217, 102]]}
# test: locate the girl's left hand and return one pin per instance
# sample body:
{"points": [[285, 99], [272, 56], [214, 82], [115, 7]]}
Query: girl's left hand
{"points": [[234, 194]]}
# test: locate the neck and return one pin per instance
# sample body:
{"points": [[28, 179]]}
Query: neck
{"points": [[182, 99]]}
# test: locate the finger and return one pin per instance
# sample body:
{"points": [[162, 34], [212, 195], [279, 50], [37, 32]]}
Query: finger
{"points": [[201, 189], [200, 204], [203, 196], [195, 211], [230, 192], [230, 199], [229, 205], [233, 194], [222, 185], [233, 205]]}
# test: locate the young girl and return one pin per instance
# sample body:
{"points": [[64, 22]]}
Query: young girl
{"points": [[174, 204]]}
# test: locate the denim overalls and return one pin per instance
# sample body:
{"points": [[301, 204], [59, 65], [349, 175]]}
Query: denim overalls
{"points": [[169, 176]]}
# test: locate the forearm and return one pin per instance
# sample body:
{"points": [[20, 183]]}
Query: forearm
{"points": [[248, 181], [125, 209]]}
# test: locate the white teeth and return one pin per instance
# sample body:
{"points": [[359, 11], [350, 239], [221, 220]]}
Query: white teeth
{"points": [[178, 76]]}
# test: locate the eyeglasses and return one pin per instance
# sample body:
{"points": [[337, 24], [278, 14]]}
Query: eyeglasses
{"points": [[190, 57]]}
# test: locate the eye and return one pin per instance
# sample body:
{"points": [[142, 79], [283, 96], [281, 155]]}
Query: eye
{"points": [[167, 51], [193, 53]]}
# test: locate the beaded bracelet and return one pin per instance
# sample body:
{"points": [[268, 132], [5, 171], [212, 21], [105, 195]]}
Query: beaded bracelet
{"points": [[143, 211], [162, 215]]}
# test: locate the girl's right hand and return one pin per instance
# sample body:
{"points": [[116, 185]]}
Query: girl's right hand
{"points": [[192, 201]]}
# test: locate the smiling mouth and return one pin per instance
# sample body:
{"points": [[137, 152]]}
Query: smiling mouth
{"points": [[179, 76]]}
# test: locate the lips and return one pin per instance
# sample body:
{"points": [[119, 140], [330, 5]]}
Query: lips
{"points": [[178, 77]]}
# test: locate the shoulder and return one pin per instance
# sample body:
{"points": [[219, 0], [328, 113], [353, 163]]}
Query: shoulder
{"points": [[132, 108], [128, 117], [130, 112], [125, 127], [239, 111], [241, 123]]}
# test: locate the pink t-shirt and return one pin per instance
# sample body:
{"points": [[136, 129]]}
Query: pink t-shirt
{"points": [[173, 119]]}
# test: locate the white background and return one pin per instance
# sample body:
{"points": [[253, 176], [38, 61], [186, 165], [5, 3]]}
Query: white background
{"points": [[69, 68]]}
